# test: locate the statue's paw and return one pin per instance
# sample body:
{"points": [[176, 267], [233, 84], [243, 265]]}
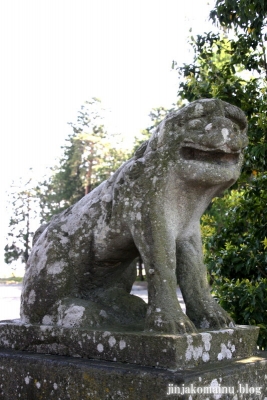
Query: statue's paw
{"points": [[212, 316], [163, 322]]}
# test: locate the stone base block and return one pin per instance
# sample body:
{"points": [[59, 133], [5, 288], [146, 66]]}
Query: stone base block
{"points": [[29, 376], [171, 352]]}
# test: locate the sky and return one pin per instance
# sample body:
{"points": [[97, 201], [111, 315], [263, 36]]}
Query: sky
{"points": [[56, 54]]}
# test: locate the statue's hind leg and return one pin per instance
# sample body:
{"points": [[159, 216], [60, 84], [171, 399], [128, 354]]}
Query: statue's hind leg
{"points": [[121, 308]]}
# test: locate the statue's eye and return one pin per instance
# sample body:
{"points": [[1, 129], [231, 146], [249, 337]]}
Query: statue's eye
{"points": [[236, 129], [195, 124]]}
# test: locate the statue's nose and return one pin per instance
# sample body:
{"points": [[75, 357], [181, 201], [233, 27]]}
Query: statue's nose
{"points": [[224, 132]]}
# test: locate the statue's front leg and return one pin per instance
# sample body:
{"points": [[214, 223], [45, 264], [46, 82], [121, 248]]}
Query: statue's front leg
{"points": [[158, 253], [201, 307]]}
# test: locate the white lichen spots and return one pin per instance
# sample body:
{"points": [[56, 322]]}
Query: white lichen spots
{"points": [[103, 314], [194, 352], [5, 342], [225, 352], [206, 339], [47, 320], [205, 356], [208, 127], [45, 329], [55, 386], [158, 321], [106, 333], [38, 385], [151, 271], [64, 228], [64, 240], [132, 216], [32, 296], [122, 344], [198, 110], [138, 216], [225, 133], [164, 351], [107, 198], [56, 268], [72, 316], [112, 341], [240, 340], [158, 309], [27, 380], [204, 324], [228, 331], [160, 134], [100, 347]]}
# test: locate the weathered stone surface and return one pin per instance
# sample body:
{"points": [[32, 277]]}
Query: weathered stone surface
{"points": [[42, 377], [146, 349], [79, 273]]}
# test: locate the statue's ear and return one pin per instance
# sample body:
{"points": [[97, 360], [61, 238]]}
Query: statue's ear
{"points": [[140, 151], [136, 169], [153, 144]]}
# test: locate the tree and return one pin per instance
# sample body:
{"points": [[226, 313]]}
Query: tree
{"points": [[23, 205], [90, 156], [231, 65]]}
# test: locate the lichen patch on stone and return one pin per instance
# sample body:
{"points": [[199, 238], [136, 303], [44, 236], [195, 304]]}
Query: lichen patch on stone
{"points": [[72, 316], [226, 351], [100, 347], [32, 296], [122, 344]]}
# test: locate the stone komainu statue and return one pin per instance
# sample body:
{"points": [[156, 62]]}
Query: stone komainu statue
{"points": [[80, 271]]}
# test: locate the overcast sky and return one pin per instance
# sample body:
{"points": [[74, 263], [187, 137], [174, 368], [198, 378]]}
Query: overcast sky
{"points": [[55, 54]]}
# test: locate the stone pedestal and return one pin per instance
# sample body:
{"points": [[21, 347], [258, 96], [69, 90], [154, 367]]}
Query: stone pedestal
{"points": [[173, 352], [44, 362], [29, 376]]}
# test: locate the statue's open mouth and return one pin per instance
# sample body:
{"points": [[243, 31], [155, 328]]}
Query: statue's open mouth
{"points": [[209, 156]]}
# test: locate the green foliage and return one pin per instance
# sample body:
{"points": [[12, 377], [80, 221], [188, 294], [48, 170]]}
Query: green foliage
{"points": [[235, 243], [246, 301], [64, 186], [23, 208], [231, 65], [248, 15], [90, 156], [235, 247]]}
